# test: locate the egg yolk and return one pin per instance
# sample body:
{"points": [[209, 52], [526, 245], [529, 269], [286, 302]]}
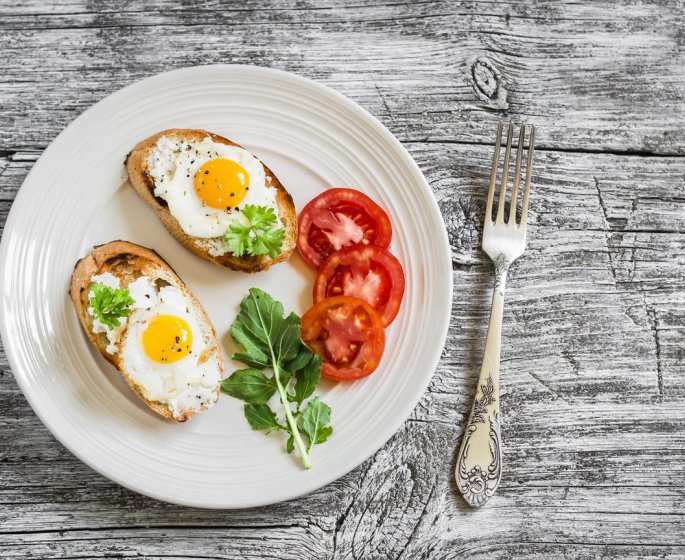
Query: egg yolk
{"points": [[222, 183], [167, 339]]}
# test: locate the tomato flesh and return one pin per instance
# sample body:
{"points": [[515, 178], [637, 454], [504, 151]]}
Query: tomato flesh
{"points": [[338, 218], [369, 273], [347, 333]]}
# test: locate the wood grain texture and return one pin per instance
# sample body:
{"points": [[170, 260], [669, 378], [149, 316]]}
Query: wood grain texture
{"points": [[593, 368], [433, 71]]}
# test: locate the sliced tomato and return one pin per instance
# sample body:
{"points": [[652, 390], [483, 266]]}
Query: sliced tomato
{"points": [[365, 272], [338, 218], [348, 335]]}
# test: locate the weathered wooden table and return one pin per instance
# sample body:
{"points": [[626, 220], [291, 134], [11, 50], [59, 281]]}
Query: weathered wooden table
{"points": [[594, 342]]}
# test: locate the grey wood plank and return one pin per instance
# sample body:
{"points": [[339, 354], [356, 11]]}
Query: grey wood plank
{"points": [[168, 543], [602, 76], [14, 168], [402, 506]]}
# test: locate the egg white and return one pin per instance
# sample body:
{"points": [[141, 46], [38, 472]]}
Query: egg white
{"points": [[183, 385], [186, 384], [173, 165]]}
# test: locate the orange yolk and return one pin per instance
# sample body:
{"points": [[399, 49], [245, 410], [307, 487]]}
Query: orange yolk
{"points": [[167, 339], [222, 183]]}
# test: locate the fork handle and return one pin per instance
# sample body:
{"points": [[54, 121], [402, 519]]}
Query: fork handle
{"points": [[479, 463]]}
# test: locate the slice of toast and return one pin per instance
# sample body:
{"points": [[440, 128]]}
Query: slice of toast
{"points": [[137, 168], [129, 261]]}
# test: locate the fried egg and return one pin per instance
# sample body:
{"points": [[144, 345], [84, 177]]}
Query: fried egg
{"points": [[163, 352], [206, 183], [161, 346]]}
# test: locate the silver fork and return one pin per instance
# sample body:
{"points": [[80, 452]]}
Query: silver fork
{"points": [[479, 463]]}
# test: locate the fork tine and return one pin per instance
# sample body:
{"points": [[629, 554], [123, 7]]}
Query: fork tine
{"points": [[505, 176], [517, 177], [493, 174], [529, 168]]}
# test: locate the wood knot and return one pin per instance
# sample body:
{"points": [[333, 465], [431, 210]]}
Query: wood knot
{"points": [[462, 221], [488, 83]]}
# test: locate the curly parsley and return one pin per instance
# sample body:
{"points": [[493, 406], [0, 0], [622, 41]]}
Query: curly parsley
{"points": [[109, 304], [259, 236]]}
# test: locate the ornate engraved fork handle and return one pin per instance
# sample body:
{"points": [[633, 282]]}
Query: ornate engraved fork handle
{"points": [[479, 463]]}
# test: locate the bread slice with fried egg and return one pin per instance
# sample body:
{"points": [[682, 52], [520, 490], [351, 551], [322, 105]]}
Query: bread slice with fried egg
{"points": [[166, 170], [166, 348]]}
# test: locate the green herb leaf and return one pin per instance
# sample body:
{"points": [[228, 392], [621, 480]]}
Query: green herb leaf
{"points": [[260, 236], [268, 339], [254, 329], [249, 385], [304, 354], [110, 304], [261, 417], [316, 417], [264, 333], [307, 378]]}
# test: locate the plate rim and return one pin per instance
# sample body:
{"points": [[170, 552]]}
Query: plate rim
{"points": [[388, 431]]}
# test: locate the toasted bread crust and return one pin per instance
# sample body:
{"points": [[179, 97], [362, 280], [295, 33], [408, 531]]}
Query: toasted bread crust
{"points": [[129, 261], [143, 183]]}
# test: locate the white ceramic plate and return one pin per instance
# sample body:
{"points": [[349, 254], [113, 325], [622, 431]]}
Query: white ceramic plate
{"points": [[77, 196]]}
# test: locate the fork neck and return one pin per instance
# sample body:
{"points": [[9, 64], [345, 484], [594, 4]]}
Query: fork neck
{"points": [[501, 269], [493, 341]]}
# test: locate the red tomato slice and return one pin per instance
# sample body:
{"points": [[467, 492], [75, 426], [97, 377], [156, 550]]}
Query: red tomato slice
{"points": [[338, 218], [348, 334], [365, 272]]}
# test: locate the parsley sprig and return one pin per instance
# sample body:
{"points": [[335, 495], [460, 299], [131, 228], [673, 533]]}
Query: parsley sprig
{"points": [[259, 236], [270, 340], [109, 304]]}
